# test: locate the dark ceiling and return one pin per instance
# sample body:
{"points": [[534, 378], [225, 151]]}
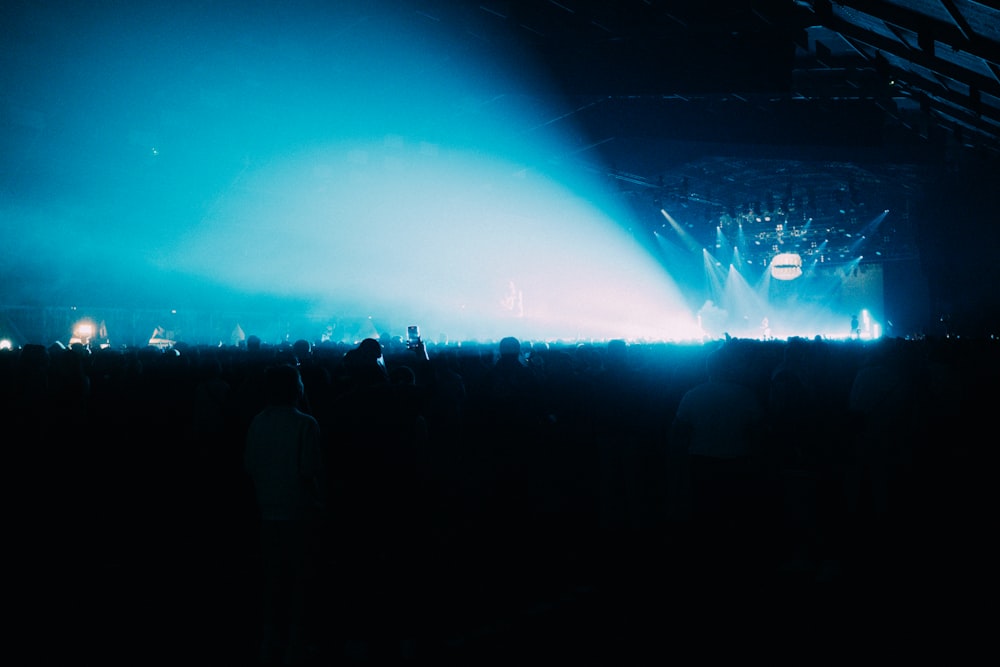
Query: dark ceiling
{"points": [[907, 76]]}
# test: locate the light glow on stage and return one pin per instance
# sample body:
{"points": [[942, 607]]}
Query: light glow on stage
{"points": [[462, 244]]}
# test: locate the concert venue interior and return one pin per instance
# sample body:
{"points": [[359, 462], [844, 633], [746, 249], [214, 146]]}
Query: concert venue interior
{"points": [[556, 171], [750, 177]]}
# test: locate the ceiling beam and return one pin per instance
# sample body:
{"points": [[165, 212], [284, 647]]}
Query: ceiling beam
{"points": [[957, 34], [919, 57]]}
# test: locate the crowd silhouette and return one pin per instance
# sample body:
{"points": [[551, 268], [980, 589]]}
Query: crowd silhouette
{"points": [[415, 502]]}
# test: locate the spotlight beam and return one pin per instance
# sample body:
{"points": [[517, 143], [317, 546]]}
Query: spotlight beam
{"points": [[686, 238]]}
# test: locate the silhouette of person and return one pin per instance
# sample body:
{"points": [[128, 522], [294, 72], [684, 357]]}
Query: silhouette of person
{"points": [[364, 366], [284, 459], [720, 424], [510, 411], [254, 343], [881, 403], [315, 377], [510, 406], [512, 391]]}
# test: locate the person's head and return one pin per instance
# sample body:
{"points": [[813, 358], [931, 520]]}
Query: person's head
{"points": [[510, 347], [302, 349], [364, 364], [370, 349], [283, 384], [617, 352]]}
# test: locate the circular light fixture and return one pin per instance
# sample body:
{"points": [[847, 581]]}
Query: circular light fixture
{"points": [[786, 266]]}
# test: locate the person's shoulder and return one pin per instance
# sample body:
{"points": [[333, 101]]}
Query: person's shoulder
{"points": [[302, 415], [705, 387]]}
